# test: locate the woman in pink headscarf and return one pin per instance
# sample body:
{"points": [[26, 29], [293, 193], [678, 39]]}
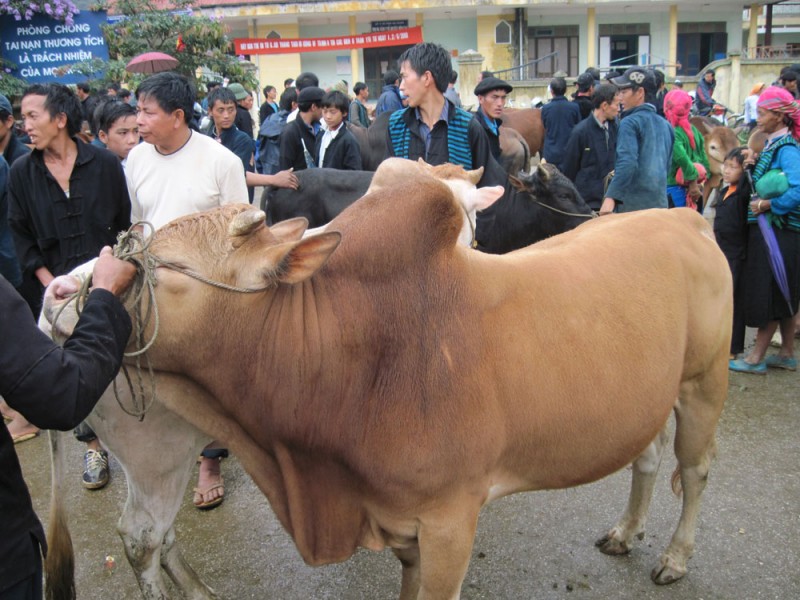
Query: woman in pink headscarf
{"points": [[765, 306], [689, 163]]}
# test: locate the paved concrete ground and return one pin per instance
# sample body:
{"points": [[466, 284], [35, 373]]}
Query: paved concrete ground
{"points": [[536, 545]]}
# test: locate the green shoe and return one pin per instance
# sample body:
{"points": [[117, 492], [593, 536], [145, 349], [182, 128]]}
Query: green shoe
{"points": [[782, 362], [742, 366]]}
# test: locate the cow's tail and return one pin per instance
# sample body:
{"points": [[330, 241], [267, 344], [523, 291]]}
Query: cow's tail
{"points": [[59, 565], [675, 481]]}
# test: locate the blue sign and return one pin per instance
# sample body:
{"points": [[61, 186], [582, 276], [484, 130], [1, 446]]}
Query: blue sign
{"points": [[40, 47]]}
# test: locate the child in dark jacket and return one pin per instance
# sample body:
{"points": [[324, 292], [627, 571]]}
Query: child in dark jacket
{"points": [[336, 146], [730, 230]]}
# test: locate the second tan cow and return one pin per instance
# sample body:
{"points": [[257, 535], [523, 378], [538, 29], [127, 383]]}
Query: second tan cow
{"points": [[400, 382]]}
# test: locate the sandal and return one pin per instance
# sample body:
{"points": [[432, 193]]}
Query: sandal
{"points": [[200, 494], [24, 437]]}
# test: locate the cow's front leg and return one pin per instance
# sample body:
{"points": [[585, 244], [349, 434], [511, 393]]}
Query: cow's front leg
{"points": [[181, 572], [409, 558], [645, 469], [445, 546]]}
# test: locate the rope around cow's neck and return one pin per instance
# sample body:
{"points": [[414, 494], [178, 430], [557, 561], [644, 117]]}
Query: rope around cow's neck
{"points": [[133, 246], [592, 215]]}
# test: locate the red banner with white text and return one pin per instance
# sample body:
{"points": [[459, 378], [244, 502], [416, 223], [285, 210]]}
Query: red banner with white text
{"points": [[395, 37]]}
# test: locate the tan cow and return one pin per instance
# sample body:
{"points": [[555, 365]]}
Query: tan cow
{"points": [[528, 122], [401, 381]]}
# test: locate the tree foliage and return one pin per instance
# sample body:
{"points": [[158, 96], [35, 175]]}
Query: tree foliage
{"points": [[196, 41]]}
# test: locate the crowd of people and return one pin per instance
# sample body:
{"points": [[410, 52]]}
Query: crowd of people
{"points": [[89, 168]]}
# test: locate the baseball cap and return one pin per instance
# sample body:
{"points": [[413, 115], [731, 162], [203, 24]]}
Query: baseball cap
{"points": [[585, 81], [311, 94], [492, 83], [6, 105], [636, 76], [238, 91]]}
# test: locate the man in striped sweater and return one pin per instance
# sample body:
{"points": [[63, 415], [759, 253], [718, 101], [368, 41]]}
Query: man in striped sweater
{"points": [[432, 127]]}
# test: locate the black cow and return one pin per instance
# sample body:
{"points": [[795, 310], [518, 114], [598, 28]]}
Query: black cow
{"points": [[323, 194], [372, 141], [534, 207]]}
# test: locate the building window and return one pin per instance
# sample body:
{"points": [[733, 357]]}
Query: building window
{"points": [[559, 44], [502, 33], [273, 35]]}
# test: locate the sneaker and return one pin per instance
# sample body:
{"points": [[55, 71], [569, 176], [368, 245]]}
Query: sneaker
{"points": [[782, 362], [742, 366], [95, 472]]}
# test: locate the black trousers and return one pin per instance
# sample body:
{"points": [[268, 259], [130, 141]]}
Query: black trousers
{"points": [[29, 588]]}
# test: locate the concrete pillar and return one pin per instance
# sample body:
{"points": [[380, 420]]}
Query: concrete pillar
{"points": [[672, 59], [591, 37], [470, 65], [752, 33], [768, 26], [355, 64], [419, 19], [735, 99]]}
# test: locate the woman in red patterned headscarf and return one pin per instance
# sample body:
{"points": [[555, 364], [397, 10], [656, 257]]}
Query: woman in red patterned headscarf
{"points": [[689, 162], [765, 306]]}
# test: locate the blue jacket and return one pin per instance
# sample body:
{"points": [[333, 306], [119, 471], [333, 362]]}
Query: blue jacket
{"points": [[644, 155], [390, 100], [559, 116]]}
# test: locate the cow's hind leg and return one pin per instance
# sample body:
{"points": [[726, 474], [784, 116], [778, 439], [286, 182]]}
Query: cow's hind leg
{"points": [[645, 469], [696, 416]]}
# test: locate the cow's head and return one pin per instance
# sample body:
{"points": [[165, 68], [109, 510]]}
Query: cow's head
{"points": [[399, 172], [232, 245], [548, 188], [719, 141], [208, 260]]}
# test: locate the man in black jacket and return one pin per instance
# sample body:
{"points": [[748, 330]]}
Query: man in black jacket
{"points": [[559, 116], [492, 93], [55, 388], [67, 200], [591, 150], [299, 136]]}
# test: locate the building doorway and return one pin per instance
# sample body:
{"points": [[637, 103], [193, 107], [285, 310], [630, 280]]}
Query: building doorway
{"points": [[700, 44], [624, 45], [376, 62]]}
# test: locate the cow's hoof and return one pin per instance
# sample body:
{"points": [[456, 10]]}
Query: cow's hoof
{"points": [[612, 546], [667, 572]]}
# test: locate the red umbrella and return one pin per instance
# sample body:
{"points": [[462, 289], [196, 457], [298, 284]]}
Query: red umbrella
{"points": [[151, 62]]}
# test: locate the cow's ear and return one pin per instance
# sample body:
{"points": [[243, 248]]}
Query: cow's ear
{"points": [[290, 230], [289, 262], [307, 256], [486, 196], [517, 183]]}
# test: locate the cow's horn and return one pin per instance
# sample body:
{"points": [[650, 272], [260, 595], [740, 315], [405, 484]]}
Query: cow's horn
{"points": [[543, 173], [421, 162], [246, 222], [475, 176]]}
